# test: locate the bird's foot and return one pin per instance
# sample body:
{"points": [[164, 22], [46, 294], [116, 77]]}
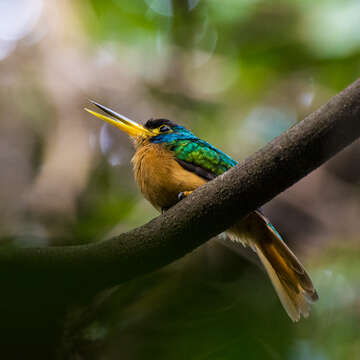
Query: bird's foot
{"points": [[184, 194], [164, 209]]}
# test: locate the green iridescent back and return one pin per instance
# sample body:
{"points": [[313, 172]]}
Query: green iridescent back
{"points": [[204, 155], [187, 147]]}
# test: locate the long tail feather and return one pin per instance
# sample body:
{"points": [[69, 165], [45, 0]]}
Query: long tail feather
{"points": [[289, 278]]}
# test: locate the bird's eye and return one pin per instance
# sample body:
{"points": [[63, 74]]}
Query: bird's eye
{"points": [[164, 128]]}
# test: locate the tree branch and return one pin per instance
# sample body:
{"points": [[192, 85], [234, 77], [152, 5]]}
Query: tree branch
{"points": [[208, 211]]}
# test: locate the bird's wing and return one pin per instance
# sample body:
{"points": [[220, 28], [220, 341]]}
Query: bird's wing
{"points": [[201, 158]]}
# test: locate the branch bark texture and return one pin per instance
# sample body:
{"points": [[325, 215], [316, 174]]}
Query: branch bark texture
{"points": [[208, 211]]}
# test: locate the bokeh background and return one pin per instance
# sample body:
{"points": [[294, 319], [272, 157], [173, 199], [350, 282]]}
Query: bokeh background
{"points": [[236, 72]]}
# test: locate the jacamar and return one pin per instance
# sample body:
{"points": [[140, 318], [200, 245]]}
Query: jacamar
{"points": [[170, 162]]}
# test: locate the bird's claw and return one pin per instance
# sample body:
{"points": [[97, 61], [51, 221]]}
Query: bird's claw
{"points": [[183, 194]]}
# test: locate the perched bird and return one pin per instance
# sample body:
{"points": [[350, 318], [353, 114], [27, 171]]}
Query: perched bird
{"points": [[170, 162]]}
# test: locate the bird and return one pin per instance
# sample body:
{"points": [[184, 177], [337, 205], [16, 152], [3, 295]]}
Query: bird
{"points": [[170, 162]]}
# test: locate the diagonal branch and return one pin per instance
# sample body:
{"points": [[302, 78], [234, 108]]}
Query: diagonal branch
{"points": [[208, 211]]}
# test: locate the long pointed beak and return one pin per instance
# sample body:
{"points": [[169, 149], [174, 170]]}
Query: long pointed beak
{"points": [[130, 127]]}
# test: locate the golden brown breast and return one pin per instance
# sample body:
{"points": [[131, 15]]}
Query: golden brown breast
{"points": [[160, 177]]}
